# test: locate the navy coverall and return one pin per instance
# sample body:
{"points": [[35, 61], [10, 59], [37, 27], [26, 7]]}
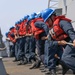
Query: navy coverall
{"points": [[69, 51], [68, 56], [40, 43], [51, 48]]}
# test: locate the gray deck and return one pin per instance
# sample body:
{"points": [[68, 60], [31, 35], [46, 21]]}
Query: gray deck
{"points": [[12, 68]]}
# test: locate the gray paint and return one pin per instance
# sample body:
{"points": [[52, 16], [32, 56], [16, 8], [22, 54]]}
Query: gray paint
{"points": [[2, 68], [68, 9]]}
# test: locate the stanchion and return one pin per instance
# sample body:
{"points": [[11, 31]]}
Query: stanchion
{"points": [[2, 68]]}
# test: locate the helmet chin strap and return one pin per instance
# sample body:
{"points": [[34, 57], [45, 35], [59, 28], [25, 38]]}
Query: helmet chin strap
{"points": [[52, 23], [51, 20]]}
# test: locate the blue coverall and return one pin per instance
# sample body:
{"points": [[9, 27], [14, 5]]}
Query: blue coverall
{"points": [[29, 48], [40, 44], [69, 51], [51, 48]]}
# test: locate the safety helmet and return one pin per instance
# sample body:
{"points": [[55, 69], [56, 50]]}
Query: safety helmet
{"points": [[11, 27], [25, 17], [22, 20], [32, 16], [39, 14], [16, 23], [6, 34], [47, 13], [19, 21]]}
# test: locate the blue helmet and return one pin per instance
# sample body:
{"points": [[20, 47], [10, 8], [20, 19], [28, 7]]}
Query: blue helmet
{"points": [[11, 27], [6, 34], [19, 21], [47, 13], [16, 23], [25, 17], [39, 14], [34, 14], [22, 20], [30, 17]]}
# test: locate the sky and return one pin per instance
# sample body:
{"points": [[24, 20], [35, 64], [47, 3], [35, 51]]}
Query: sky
{"points": [[12, 11]]}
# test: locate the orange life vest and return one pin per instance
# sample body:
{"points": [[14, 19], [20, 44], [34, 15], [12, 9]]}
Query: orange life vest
{"points": [[22, 29], [16, 32], [29, 30], [57, 32], [36, 31], [12, 39]]}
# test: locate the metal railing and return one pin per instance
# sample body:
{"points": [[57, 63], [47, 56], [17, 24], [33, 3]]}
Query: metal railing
{"points": [[52, 3]]}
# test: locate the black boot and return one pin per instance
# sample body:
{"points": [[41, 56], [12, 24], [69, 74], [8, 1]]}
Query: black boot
{"points": [[25, 60], [73, 72], [38, 63], [51, 72], [43, 68], [19, 63], [48, 72], [65, 68], [33, 65], [15, 60]]}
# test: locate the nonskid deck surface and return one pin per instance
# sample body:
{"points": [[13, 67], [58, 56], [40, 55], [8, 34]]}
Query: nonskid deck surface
{"points": [[13, 69]]}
